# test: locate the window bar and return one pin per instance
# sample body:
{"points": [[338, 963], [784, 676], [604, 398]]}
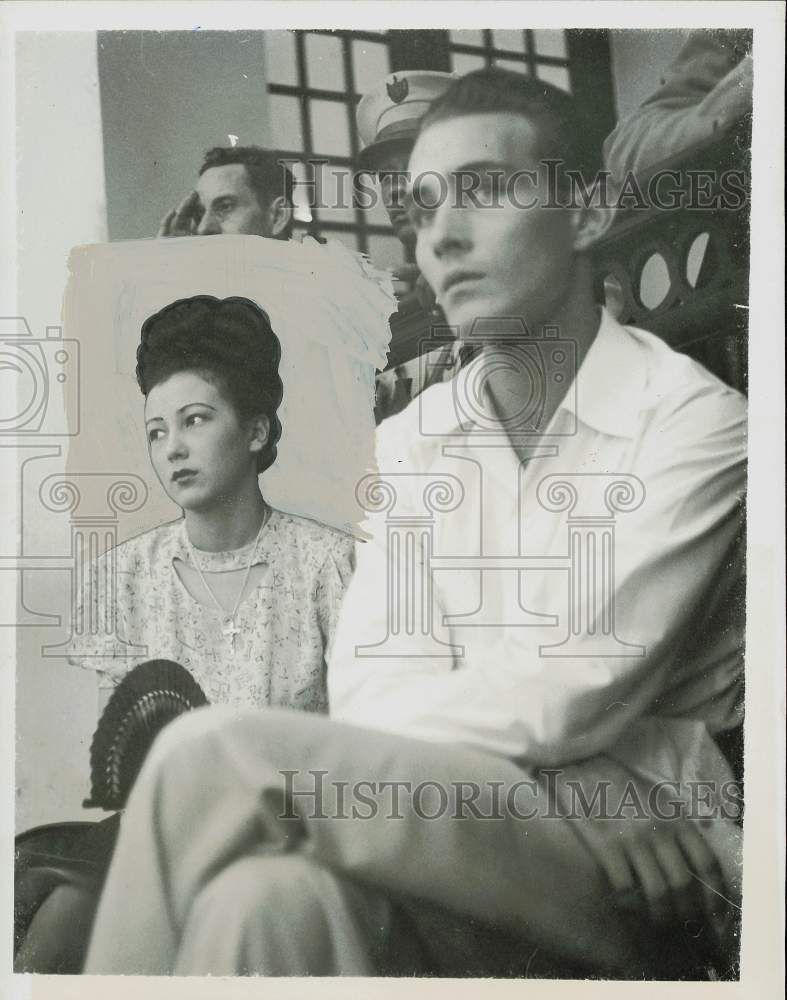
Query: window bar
{"points": [[476, 50], [308, 151], [489, 48], [313, 93], [349, 82], [530, 52]]}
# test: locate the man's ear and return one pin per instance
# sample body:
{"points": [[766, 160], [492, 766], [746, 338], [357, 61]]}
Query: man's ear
{"points": [[260, 432], [591, 225], [279, 216]]}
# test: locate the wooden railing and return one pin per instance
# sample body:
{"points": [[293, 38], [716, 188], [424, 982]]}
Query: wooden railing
{"points": [[683, 273]]}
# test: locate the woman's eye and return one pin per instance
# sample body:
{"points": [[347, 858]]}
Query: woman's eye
{"points": [[195, 419], [155, 434]]}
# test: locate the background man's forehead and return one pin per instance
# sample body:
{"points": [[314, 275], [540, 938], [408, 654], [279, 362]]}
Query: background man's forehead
{"points": [[224, 173]]}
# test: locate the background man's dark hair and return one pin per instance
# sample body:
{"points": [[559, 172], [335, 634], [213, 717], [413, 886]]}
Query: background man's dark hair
{"points": [[561, 130], [268, 177]]}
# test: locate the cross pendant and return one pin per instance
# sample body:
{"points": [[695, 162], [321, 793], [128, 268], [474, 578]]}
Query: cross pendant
{"points": [[231, 630]]}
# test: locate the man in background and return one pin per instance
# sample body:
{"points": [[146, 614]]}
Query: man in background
{"points": [[246, 190], [388, 118], [241, 190]]}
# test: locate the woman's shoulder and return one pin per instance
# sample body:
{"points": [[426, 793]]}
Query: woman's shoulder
{"points": [[309, 536], [148, 546]]}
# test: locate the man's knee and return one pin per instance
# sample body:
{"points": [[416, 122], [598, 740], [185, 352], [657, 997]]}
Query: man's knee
{"points": [[262, 887], [262, 725], [267, 911], [191, 733], [195, 725]]}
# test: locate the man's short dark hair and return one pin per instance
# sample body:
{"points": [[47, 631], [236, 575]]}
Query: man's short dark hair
{"points": [[562, 133], [269, 177]]}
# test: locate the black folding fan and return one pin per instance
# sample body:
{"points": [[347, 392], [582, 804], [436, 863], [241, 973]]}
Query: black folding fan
{"points": [[150, 696]]}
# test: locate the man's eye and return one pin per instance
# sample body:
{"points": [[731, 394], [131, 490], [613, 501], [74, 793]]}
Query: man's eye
{"points": [[416, 214]]}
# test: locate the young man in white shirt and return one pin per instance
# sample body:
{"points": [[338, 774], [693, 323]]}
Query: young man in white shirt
{"points": [[485, 660]]}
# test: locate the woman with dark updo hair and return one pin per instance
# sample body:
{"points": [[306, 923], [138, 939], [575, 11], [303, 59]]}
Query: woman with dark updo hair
{"points": [[244, 596], [241, 595]]}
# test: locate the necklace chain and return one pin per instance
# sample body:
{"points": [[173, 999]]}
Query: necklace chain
{"points": [[230, 628]]}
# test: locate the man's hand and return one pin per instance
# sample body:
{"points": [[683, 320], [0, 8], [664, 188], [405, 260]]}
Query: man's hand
{"points": [[670, 871], [664, 873], [183, 220]]}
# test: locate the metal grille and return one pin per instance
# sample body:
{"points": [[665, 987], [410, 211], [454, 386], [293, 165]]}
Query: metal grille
{"points": [[316, 78], [541, 54]]}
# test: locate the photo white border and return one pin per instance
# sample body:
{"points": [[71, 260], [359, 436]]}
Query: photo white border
{"points": [[762, 972]]}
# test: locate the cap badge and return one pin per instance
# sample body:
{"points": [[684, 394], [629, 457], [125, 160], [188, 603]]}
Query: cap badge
{"points": [[397, 90]]}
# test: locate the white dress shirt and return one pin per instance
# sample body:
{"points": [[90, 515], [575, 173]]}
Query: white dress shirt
{"points": [[637, 408]]}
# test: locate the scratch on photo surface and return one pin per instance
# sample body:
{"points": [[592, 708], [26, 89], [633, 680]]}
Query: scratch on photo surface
{"points": [[716, 891]]}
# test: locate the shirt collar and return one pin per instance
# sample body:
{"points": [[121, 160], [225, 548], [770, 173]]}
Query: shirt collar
{"points": [[609, 387], [606, 391]]}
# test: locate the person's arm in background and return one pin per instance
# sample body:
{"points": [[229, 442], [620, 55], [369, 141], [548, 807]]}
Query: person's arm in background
{"points": [[707, 89]]}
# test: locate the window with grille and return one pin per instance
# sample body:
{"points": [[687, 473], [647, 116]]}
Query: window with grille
{"points": [[538, 53], [316, 78]]}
